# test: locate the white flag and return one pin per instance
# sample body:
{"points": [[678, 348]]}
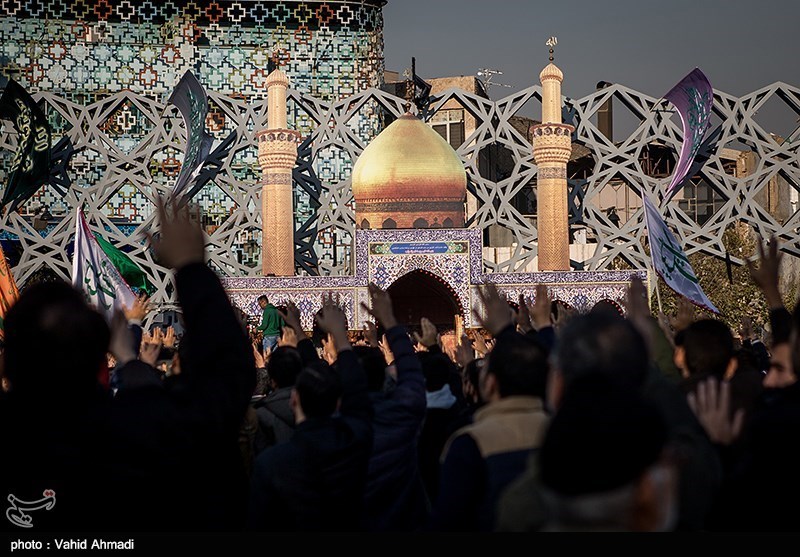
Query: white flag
{"points": [[94, 274], [670, 262]]}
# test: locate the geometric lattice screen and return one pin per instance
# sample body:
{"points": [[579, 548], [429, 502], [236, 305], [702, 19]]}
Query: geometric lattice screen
{"points": [[115, 179]]}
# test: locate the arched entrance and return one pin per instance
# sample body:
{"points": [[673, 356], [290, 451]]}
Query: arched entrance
{"points": [[421, 294]]}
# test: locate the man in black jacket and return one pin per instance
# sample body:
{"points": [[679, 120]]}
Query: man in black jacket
{"points": [[315, 481], [275, 415], [395, 495], [481, 459], [152, 457]]}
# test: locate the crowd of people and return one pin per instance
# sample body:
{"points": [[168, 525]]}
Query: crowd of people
{"points": [[596, 422]]}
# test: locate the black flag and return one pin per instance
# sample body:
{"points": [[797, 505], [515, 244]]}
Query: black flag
{"points": [[30, 167], [213, 164], [60, 156], [190, 98], [422, 89]]}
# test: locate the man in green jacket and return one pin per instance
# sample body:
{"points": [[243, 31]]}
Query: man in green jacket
{"points": [[271, 323]]}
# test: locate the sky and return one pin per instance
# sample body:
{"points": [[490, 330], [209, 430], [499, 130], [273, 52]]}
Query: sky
{"points": [[646, 45]]}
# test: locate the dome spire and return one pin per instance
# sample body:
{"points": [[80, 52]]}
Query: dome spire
{"points": [[551, 78], [552, 42]]}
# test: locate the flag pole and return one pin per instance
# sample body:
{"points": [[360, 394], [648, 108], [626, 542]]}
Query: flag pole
{"points": [[652, 266], [658, 291]]}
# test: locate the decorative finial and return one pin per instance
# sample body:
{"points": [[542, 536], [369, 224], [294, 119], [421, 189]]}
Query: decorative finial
{"points": [[276, 58], [273, 62], [408, 73], [552, 42]]}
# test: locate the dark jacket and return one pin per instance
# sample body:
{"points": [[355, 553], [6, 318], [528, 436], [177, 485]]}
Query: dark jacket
{"points": [[546, 337], [481, 459], [152, 457], [275, 419], [762, 485], [440, 423], [522, 508], [315, 481], [193, 422], [699, 466], [395, 497]]}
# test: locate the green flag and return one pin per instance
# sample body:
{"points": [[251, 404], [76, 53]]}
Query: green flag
{"points": [[130, 271]]}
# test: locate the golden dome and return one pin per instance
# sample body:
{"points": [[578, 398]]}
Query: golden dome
{"points": [[409, 161]]}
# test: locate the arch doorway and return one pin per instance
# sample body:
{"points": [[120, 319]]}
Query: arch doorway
{"points": [[421, 294]]}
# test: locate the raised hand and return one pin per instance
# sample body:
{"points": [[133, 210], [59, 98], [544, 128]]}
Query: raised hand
{"points": [[288, 337], [711, 403], [141, 307], [181, 241], [685, 315], [564, 315], [381, 306], [121, 341], [638, 311], [430, 336], [636, 300], [169, 338], [388, 355], [331, 318], [663, 323], [157, 336], [371, 334], [292, 318], [498, 312], [259, 357], [329, 349], [333, 321], [540, 310], [524, 324], [464, 352], [481, 346], [767, 272], [149, 353]]}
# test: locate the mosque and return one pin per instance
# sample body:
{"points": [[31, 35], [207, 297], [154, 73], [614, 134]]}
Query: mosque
{"points": [[409, 187], [365, 206]]}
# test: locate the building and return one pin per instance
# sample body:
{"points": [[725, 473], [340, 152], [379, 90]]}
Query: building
{"points": [[105, 70], [495, 162], [409, 187]]}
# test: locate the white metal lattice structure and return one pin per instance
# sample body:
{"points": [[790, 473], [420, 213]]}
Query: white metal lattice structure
{"points": [[107, 173]]}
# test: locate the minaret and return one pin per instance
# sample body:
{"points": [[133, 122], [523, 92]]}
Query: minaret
{"points": [[552, 145], [277, 153]]}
